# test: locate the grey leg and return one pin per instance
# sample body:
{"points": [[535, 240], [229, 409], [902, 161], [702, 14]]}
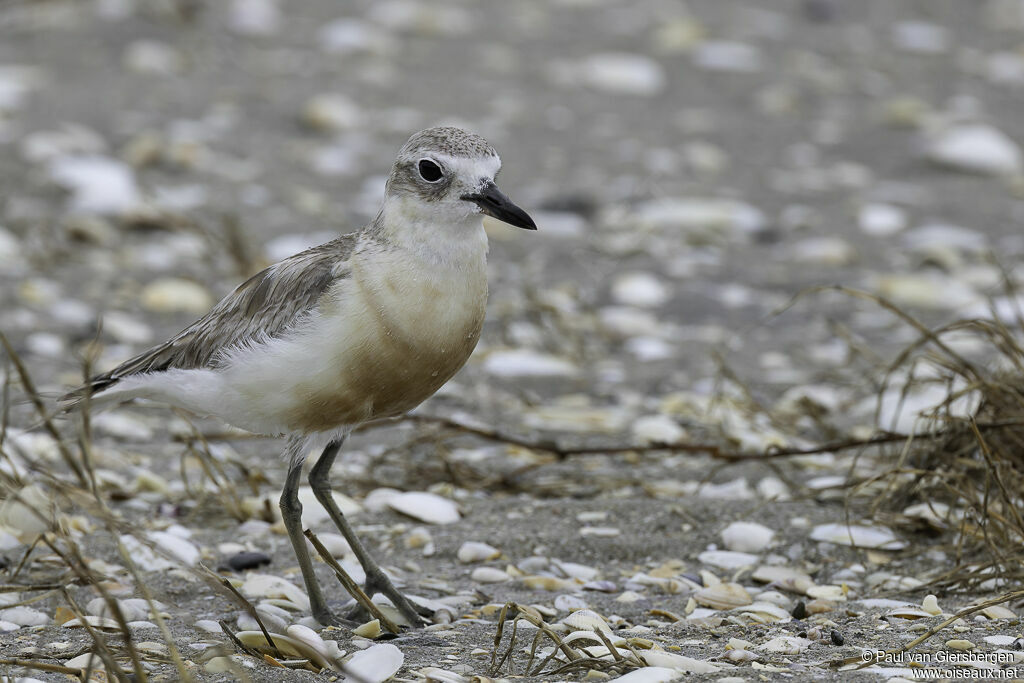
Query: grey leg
{"points": [[376, 580], [291, 513]]}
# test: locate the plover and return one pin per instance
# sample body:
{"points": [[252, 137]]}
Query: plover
{"points": [[364, 327]]}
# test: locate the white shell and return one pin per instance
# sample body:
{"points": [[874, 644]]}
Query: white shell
{"points": [[975, 148], [489, 575], [586, 620], [930, 604], [375, 664], [747, 537], [650, 674], [474, 551], [426, 507], [786, 645], [723, 596], [728, 559], [785, 578], [24, 616], [860, 536], [526, 363], [270, 586], [670, 660]]}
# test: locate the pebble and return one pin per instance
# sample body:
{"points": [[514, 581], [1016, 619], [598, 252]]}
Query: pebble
{"points": [[176, 295], [526, 363], [702, 219], [960, 644], [331, 113], [152, 57], [882, 220], [975, 148], [920, 37], [644, 290], [621, 73], [98, 185], [728, 56], [248, 560], [658, 429], [747, 537], [254, 17]]}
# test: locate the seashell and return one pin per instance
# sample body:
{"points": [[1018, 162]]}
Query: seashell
{"points": [[740, 656], [104, 623], [857, 536], [835, 593], [433, 673], [786, 645], [819, 606], [723, 596], [959, 644], [370, 629], [785, 578], [473, 551], [999, 612], [270, 586], [426, 507], [909, 612], [570, 603], [930, 604], [600, 586], [765, 613], [548, 583], [586, 620], [728, 559], [747, 537], [84, 661], [489, 575], [24, 616], [309, 637], [650, 674], [375, 664], [678, 662]]}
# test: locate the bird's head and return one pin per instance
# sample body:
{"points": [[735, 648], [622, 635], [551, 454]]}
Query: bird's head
{"points": [[445, 176]]}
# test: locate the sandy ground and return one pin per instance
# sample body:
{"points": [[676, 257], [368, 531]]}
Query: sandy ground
{"points": [[691, 167]]}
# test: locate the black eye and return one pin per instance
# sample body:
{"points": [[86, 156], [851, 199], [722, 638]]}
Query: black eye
{"points": [[430, 171]]}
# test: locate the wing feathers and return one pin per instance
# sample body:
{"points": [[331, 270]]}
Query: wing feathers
{"points": [[263, 306]]}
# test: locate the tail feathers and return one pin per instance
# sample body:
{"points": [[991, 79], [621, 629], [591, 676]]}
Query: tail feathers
{"points": [[100, 392]]}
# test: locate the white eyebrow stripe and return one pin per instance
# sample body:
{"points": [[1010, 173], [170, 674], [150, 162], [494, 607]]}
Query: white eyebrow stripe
{"points": [[476, 168]]}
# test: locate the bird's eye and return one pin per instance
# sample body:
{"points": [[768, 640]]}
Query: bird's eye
{"points": [[430, 171]]}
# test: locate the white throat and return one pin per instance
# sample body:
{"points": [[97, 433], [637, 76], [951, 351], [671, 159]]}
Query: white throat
{"points": [[439, 232]]}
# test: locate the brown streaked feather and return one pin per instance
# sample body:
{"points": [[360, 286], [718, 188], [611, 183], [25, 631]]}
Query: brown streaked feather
{"points": [[263, 306]]}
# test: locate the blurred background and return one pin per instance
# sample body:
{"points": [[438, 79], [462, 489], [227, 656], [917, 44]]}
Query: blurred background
{"points": [[692, 165]]}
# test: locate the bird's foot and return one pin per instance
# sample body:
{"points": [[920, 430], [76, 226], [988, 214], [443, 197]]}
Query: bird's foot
{"points": [[328, 618], [412, 614]]}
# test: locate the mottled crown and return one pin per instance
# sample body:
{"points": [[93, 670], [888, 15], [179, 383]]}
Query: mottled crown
{"points": [[447, 140]]}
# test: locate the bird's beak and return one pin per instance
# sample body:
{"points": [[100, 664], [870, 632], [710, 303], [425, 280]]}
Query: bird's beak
{"points": [[495, 204]]}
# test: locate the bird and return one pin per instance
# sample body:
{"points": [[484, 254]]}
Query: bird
{"points": [[364, 327]]}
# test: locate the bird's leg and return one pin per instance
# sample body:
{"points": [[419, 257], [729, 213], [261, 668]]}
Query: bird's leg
{"points": [[291, 514], [376, 580]]}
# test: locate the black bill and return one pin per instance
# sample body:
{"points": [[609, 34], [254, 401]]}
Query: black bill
{"points": [[495, 204]]}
